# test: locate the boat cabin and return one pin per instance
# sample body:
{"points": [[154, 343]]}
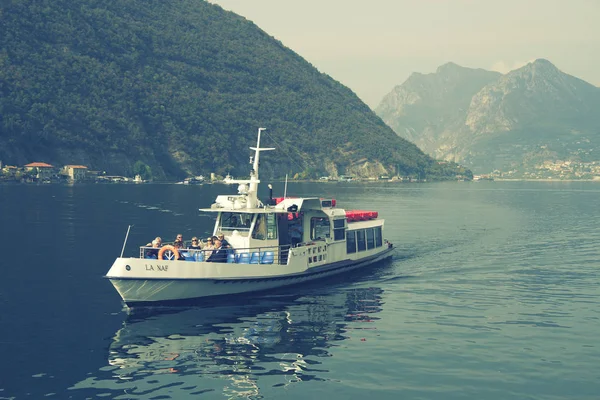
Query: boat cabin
{"points": [[269, 233], [291, 222]]}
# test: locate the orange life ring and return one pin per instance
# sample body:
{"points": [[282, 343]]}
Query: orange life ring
{"points": [[168, 247]]}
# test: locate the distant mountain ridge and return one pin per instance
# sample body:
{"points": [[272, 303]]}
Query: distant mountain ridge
{"points": [[427, 101], [486, 120], [181, 86]]}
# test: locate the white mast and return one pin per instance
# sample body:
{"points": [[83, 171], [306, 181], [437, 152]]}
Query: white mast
{"points": [[252, 190]]}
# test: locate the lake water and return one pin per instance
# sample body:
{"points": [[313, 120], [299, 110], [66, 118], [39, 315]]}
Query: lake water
{"points": [[493, 293]]}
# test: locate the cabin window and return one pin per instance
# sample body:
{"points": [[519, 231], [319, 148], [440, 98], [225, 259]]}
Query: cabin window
{"points": [[360, 239], [271, 226], [351, 242], [260, 228], [319, 228], [235, 221], [378, 241], [370, 238], [265, 227], [339, 229]]}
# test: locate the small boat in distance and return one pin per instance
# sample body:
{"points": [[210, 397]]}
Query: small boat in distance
{"points": [[194, 180], [286, 241]]}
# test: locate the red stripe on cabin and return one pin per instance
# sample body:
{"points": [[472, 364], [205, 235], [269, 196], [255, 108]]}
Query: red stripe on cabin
{"points": [[360, 215]]}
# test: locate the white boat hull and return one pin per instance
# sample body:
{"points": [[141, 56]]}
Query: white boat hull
{"points": [[156, 289]]}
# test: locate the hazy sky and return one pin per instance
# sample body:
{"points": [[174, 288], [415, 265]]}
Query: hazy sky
{"points": [[373, 45]]}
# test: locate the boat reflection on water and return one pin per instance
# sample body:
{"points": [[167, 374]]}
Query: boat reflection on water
{"points": [[226, 349]]}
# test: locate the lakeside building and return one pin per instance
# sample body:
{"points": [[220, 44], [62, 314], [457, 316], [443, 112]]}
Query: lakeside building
{"points": [[75, 172], [44, 171], [47, 173]]}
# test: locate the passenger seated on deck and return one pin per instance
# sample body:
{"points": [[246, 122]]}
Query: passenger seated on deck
{"points": [[178, 244], [195, 245], [224, 243], [157, 239], [207, 247], [153, 252], [219, 254], [180, 238]]}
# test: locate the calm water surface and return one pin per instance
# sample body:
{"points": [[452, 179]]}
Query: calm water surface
{"points": [[493, 293]]}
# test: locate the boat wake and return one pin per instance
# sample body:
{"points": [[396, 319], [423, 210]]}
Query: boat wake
{"points": [[152, 208]]}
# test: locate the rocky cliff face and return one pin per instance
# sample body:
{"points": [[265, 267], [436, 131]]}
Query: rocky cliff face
{"points": [[527, 95], [429, 109], [498, 123]]}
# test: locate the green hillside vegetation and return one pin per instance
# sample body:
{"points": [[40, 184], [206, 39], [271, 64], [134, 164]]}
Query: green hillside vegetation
{"points": [[179, 86]]}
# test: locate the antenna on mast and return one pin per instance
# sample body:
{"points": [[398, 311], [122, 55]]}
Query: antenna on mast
{"points": [[257, 150], [250, 191]]}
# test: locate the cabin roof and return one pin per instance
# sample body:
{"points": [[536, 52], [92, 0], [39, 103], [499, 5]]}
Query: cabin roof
{"points": [[265, 210], [302, 203]]}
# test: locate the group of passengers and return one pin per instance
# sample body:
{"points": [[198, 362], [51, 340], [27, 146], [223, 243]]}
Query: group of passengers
{"points": [[215, 248]]}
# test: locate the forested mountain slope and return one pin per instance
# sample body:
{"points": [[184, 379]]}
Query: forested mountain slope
{"points": [[182, 86]]}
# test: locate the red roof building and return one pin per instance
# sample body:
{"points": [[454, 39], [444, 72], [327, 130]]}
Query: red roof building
{"points": [[43, 170], [38, 165]]}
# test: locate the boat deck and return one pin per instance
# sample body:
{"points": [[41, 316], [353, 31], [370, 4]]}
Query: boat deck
{"points": [[257, 255]]}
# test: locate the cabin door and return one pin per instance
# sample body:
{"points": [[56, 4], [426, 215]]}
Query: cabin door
{"points": [[282, 227]]}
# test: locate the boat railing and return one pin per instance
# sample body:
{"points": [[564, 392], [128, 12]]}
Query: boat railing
{"points": [[254, 255]]}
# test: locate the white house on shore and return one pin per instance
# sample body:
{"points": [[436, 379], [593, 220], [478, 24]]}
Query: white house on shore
{"points": [[75, 172]]}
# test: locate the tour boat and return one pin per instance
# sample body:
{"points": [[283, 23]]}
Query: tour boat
{"points": [[283, 241]]}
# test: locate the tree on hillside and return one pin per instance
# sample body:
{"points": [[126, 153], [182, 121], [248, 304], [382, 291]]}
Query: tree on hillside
{"points": [[143, 170]]}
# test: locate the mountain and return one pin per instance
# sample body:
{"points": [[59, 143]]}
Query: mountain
{"points": [[488, 121], [432, 102], [180, 86]]}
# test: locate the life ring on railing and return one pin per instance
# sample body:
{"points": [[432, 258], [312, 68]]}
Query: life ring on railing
{"points": [[173, 255]]}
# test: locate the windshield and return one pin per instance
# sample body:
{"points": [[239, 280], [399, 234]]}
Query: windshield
{"points": [[235, 221]]}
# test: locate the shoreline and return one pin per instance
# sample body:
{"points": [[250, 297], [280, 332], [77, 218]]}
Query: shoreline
{"points": [[361, 182], [545, 180]]}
